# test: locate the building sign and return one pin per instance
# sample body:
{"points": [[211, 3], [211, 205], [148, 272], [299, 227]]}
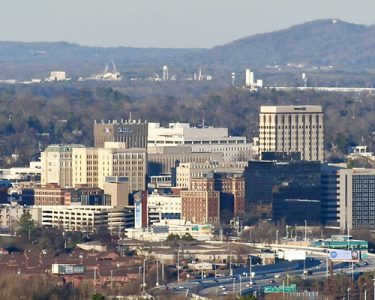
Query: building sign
{"points": [[281, 289], [137, 213], [344, 255], [124, 130]]}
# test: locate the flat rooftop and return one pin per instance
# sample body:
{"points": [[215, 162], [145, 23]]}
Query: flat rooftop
{"points": [[291, 109]]}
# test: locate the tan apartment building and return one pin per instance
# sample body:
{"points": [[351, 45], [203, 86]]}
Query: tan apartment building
{"points": [[201, 203], [292, 129]]}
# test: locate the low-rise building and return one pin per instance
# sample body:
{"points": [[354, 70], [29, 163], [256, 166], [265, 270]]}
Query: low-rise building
{"points": [[161, 160], [160, 231], [201, 139], [166, 206], [52, 195], [88, 218], [10, 215]]}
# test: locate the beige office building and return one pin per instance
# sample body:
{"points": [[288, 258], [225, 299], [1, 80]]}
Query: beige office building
{"points": [[92, 165], [292, 129], [56, 165], [68, 166], [117, 188]]}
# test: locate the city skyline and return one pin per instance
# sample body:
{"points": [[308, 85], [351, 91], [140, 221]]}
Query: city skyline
{"points": [[164, 23]]}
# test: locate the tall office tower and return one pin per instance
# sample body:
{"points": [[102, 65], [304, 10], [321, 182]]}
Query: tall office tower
{"points": [[284, 191], [292, 129], [349, 198], [56, 161], [131, 132], [165, 73]]}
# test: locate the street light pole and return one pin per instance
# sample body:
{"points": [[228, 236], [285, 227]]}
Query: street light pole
{"points": [[250, 269], [305, 230], [234, 284], [230, 263], [178, 264], [277, 236], [157, 273], [240, 285], [144, 274], [348, 293]]}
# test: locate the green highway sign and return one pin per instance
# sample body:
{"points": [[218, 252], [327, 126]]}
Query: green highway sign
{"points": [[281, 289]]}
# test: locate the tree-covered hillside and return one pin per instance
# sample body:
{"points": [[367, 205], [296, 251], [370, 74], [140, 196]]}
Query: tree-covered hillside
{"points": [[35, 116]]}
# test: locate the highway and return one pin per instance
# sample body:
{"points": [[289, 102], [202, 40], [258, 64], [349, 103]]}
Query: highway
{"points": [[265, 276]]}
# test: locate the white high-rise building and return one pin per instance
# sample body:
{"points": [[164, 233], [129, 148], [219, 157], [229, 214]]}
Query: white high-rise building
{"points": [[249, 78], [165, 73], [292, 129]]}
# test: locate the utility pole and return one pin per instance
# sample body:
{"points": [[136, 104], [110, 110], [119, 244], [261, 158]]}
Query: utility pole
{"points": [[94, 279], [111, 280]]}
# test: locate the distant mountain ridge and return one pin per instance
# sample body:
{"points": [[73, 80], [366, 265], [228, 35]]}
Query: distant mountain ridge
{"points": [[322, 42], [328, 42]]}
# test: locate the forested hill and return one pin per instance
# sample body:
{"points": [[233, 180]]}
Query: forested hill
{"points": [[320, 43], [33, 116], [336, 43]]}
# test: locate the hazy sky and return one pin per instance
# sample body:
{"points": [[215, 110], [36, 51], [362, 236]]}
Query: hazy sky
{"points": [[165, 23]]}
